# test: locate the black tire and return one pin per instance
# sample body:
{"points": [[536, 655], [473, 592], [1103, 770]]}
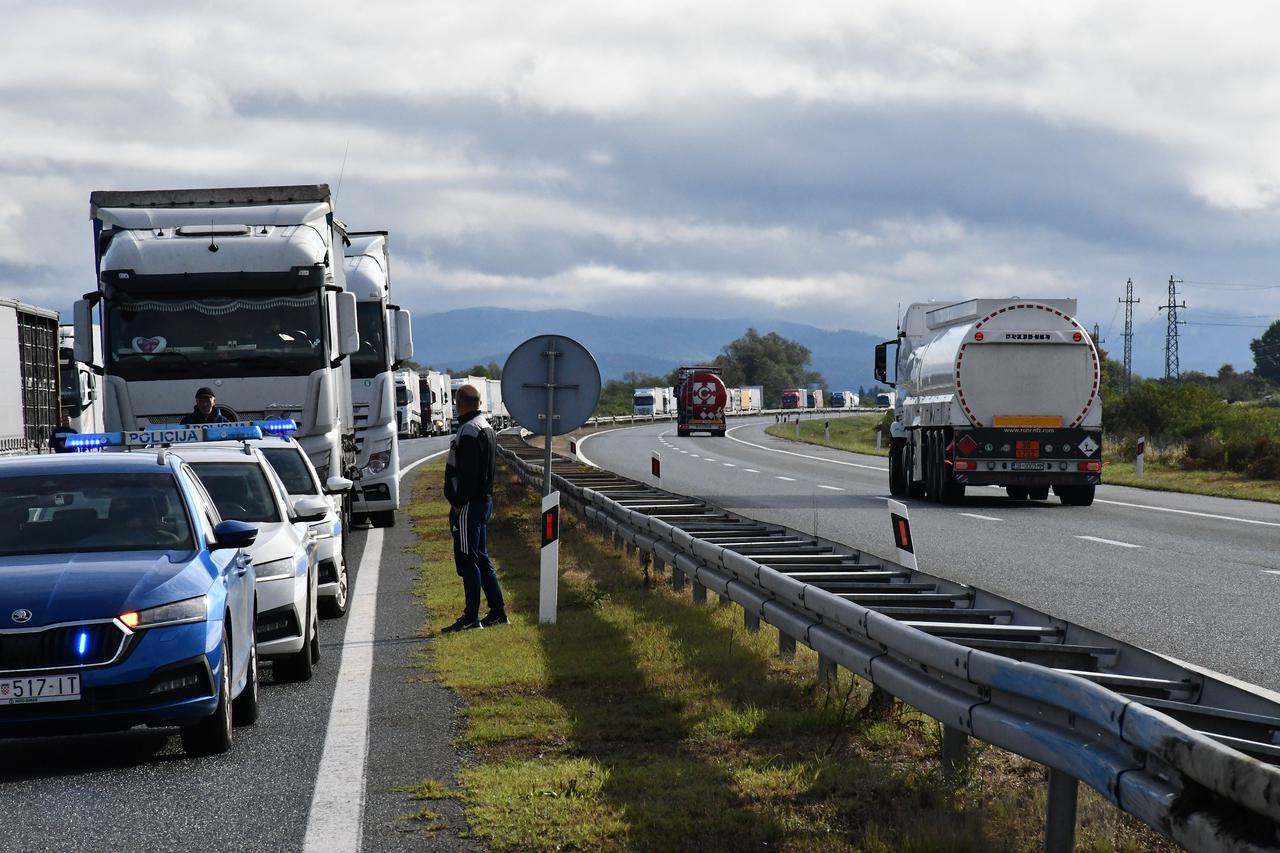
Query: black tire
{"points": [[937, 467], [336, 606], [915, 488], [244, 708], [897, 467], [1017, 493], [212, 735], [1076, 495], [682, 433], [298, 666], [314, 645], [383, 518], [1039, 493]]}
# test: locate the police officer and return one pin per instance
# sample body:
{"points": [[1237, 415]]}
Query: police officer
{"points": [[468, 486], [205, 410], [58, 438]]}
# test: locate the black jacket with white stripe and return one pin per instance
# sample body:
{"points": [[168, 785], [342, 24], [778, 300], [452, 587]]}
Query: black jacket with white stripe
{"points": [[468, 473]]}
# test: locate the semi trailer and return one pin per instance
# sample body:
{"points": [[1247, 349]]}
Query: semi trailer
{"points": [[78, 384], [437, 393], [28, 377], [408, 404], [701, 397], [999, 392]]}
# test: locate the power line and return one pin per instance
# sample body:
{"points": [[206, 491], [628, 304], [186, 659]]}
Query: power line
{"points": [[1171, 368], [1226, 285], [1128, 302], [1230, 325]]}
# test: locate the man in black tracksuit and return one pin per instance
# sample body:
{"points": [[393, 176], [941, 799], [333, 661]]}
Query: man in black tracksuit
{"points": [[468, 486]]}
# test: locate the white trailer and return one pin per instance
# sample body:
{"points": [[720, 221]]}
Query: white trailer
{"points": [[496, 410], [477, 382], [752, 398], [386, 336], [28, 377], [438, 394], [994, 392], [242, 290], [842, 400], [647, 401], [408, 404], [78, 384], [733, 401]]}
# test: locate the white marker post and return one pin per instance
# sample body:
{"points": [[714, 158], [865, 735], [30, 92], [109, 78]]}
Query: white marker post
{"points": [[1137, 462], [655, 468], [549, 578], [902, 534], [573, 448]]}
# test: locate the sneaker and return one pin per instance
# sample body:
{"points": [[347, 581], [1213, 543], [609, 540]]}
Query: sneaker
{"points": [[462, 624], [492, 619]]}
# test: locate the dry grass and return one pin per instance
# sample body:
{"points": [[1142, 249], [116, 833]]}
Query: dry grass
{"points": [[644, 721]]}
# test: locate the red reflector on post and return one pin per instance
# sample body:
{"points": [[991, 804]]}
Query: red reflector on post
{"points": [[550, 526]]}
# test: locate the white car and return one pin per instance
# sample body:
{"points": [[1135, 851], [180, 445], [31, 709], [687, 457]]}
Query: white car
{"points": [[245, 487], [301, 481]]}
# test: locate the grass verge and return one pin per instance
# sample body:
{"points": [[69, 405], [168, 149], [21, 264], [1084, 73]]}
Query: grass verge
{"points": [[644, 721], [855, 433]]}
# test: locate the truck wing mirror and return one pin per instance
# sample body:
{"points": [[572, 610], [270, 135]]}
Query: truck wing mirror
{"points": [[84, 331], [348, 328], [882, 362], [404, 335]]}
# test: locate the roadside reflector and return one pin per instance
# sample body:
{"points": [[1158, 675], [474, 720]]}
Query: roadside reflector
{"points": [[655, 466], [550, 525], [901, 524]]}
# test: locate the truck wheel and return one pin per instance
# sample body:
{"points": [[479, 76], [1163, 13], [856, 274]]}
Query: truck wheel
{"points": [[383, 518], [1039, 493], [915, 488], [1076, 495], [897, 467], [952, 490], [682, 433]]}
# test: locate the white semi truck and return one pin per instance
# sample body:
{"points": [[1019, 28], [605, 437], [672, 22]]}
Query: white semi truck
{"points": [[752, 398], [437, 392], [78, 384], [241, 290], [408, 404], [497, 409], [477, 382], [994, 392], [386, 337], [28, 377], [654, 401]]}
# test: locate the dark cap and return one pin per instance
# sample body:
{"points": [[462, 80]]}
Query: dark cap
{"points": [[205, 392]]}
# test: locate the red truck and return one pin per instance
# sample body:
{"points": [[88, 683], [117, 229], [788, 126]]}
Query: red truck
{"points": [[795, 398], [701, 397]]}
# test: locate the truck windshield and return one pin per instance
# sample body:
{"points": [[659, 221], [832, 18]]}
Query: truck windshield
{"points": [[74, 513], [402, 395], [69, 384], [371, 360], [167, 337]]}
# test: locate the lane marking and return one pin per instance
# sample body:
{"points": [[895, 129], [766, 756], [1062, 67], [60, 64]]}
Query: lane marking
{"points": [[1270, 572], [832, 488], [788, 479], [728, 465], [982, 517], [336, 819], [709, 459], [695, 456], [729, 434], [1190, 512], [1109, 541], [407, 468], [751, 470], [587, 438]]}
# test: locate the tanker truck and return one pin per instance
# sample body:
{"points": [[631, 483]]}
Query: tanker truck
{"points": [[999, 392], [701, 397]]}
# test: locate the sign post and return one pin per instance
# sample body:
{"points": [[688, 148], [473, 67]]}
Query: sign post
{"points": [[550, 385], [902, 534], [1137, 462]]}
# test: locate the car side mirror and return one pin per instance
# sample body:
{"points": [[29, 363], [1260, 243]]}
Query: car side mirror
{"points": [[337, 485], [307, 508], [233, 534]]}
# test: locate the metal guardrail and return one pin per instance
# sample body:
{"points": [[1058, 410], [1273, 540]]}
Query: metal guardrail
{"points": [[643, 419], [1190, 755]]}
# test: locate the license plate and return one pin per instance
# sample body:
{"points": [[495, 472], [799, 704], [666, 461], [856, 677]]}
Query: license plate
{"points": [[39, 688], [1029, 466]]}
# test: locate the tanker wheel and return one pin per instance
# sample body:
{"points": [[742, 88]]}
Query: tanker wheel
{"points": [[1076, 495], [915, 488], [952, 490], [897, 467], [1039, 493], [682, 433], [934, 465]]}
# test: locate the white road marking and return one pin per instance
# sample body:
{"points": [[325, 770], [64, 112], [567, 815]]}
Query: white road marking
{"points": [[729, 434], [751, 470], [982, 517], [788, 479], [407, 468], [685, 452], [582, 456], [728, 465], [831, 488], [695, 456], [1270, 572], [336, 819], [1109, 541], [1190, 512], [709, 459]]}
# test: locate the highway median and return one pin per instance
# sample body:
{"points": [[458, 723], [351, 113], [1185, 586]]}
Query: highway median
{"points": [[643, 720]]}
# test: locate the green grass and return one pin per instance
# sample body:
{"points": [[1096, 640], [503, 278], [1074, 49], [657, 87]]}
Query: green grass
{"points": [[855, 433], [642, 721]]}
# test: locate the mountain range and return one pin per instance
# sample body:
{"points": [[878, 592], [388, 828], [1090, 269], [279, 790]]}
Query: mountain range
{"points": [[459, 339]]}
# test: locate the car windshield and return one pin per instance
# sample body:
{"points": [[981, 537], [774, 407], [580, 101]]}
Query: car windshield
{"points": [[169, 337], [239, 490], [371, 359], [74, 513], [291, 467]]}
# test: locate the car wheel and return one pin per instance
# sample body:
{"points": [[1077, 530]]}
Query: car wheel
{"points": [[383, 518], [212, 735], [244, 709], [335, 606], [298, 666]]}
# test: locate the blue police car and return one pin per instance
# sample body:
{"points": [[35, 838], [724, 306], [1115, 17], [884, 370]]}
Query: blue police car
{"points": [[125, 600]]}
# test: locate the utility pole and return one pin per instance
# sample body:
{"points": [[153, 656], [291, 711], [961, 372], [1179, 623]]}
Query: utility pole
{"points": [[1097, 335], [1171, 368], [1128, 302]]}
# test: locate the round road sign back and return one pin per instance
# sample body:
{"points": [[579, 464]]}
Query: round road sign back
{"points": [[561, 362]]}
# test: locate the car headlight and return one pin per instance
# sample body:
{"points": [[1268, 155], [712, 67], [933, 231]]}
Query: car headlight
{"points": [[378, 462], [273, 569], [188, 610]]}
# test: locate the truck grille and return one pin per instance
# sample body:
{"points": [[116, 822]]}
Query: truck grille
{"points": [[60, 647]]}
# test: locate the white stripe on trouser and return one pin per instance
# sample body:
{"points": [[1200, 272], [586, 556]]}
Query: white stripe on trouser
{"points": [[462, 527]]}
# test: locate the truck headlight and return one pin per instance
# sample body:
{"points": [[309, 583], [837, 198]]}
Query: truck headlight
{"points": [[273, 569], [378, 462], [188, 610]]}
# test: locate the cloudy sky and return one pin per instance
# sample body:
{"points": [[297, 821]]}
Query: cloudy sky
{"points": [[818, 162]]}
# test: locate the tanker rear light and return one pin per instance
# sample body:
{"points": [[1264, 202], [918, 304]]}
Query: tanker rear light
{"points": [[1077, 337], [966, 465], [977, 336], [1089, 466]]}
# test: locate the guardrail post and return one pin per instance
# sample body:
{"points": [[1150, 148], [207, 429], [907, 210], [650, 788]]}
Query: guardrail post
{"points": [[725, 599], [1060, 815], [751, 621], [826, 668], [631, 549], [955, 749], [786, 646], [677, 577], [699, 593], [659, 565]]}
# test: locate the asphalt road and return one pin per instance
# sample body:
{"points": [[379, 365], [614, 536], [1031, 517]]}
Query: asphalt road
{"points": [[137, 791], [1196, 578]]}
